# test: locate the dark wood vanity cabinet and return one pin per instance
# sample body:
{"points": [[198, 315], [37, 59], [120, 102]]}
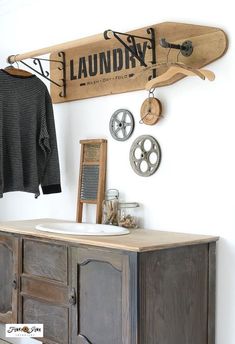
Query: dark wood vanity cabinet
{"points": [[129, 293], [8, 278]]}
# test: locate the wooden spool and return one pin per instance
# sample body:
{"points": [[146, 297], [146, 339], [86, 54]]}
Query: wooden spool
{"points": [[150, 111]]}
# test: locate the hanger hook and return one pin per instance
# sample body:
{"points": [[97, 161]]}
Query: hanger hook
{"points": [[10, 59], [151, 93], [177, 58], [167, 57], [16, 61]]}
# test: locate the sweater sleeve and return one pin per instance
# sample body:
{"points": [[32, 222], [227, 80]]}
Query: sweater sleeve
{"points": [[50, 180]]}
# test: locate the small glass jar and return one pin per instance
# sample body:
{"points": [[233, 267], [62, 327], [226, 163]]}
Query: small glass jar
{"points": [[126, 215], [110, 207]]}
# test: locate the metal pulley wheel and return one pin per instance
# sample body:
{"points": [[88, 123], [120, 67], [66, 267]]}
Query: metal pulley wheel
{"points": [[121, 124], [150, 111], [145, 155]]}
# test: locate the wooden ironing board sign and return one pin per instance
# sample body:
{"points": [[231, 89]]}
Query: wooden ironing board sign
{"points": [[107, 67]]}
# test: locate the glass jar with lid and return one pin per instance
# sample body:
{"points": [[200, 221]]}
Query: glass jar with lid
{"points": [[127, 215], [110, 207]]}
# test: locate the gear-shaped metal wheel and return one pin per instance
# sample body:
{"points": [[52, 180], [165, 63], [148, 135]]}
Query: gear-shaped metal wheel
{"points": [[121, 124], [145, 155]]}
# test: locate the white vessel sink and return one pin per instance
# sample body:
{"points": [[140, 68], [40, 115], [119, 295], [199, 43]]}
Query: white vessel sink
{"points": [[81, 228]]}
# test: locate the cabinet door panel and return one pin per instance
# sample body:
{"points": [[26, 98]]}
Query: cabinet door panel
{"points": [[102, 283], [174, 287], [8, 278], [54, 319], [100, 290], [6, 273], [45, 260]]}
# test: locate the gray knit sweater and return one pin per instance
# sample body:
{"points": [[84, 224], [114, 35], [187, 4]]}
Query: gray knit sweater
{"points": [[28, 148]]}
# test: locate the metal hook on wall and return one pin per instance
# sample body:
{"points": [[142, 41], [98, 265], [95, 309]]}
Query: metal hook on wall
{"points": [[186, 48], [129, 41], [45, 74]]}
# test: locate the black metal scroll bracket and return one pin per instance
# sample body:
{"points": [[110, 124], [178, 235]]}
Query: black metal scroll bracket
{"points": [[45, 74], [186, 48], [133, 48]]}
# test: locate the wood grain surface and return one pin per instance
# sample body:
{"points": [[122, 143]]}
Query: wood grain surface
{"points": [[174, 304], [45, 260], [54, 318], [106, 67], [139, 240], [9, 265], [101, 280]]}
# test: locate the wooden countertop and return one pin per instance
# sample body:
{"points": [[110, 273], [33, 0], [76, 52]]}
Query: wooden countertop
{"points": [[139, 240]]}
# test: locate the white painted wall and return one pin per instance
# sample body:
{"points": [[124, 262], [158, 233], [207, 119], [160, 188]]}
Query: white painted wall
{"points": [[194, 189]]}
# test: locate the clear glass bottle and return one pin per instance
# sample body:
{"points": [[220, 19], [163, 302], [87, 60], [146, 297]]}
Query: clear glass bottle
{"points": [[110, 207], [126, 215]]}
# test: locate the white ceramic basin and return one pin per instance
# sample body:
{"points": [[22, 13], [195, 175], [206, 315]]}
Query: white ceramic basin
{"points": [[81, 228]]}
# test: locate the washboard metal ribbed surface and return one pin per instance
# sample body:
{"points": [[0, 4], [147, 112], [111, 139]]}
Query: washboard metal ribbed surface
{"points": [[91, 188]]}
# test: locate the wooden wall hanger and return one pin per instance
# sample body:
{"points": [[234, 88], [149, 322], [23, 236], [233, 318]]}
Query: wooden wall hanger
{"points": [[17, 71], [108, 67], [10, 69], [175, 69], [202, 73], [114, 62]]}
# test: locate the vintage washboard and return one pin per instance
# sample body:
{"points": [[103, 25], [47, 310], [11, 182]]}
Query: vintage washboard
{"points": [[91, 187]]}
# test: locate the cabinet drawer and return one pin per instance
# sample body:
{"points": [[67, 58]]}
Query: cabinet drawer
{"points": [[44, 289], [54, 318], [45, 260]]}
